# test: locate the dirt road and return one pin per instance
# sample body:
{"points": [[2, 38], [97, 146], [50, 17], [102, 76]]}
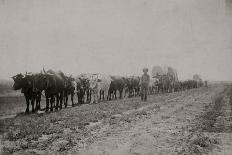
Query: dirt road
{"points": [[176, 123], [156, 130]]}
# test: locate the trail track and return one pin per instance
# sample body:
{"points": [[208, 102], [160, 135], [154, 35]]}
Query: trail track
{"points": [[176, 123], [156, 131]]}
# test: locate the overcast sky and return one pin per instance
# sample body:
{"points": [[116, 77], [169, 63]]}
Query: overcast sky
{"points": [[117, 37]]}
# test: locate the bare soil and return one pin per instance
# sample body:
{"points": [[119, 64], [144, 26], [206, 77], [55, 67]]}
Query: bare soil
{"points": [[197, 121]]}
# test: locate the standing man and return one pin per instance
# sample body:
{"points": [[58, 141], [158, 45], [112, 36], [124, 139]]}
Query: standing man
{"points": [[145, 79]]}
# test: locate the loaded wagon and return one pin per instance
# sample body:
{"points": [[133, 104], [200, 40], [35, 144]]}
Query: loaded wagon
{"points": [[198, 80], [166, 79]]}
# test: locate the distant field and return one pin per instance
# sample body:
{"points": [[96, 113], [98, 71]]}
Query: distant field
{"points": [[7, 90], [10, 105], [11, 101]]}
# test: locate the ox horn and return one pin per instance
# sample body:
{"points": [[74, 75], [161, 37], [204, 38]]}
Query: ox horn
{"points": [[13, 77], [44, 71]]}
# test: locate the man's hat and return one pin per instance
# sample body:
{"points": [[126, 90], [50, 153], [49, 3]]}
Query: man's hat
{"points": [[145, 69]]}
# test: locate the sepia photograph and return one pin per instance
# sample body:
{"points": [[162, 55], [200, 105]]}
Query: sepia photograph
{"points": [[116, 77]]}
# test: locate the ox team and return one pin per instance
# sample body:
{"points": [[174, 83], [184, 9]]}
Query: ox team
{"points": [[93, 88]]}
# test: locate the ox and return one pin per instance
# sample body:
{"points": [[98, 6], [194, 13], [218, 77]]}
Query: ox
{"points": [[133, 86], [25, 83], [99, 85], [54, 87], [69, 89], [117, 84]]}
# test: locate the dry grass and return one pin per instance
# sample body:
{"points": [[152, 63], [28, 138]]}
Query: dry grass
{"points": [[70, 125], [31, 127], [199, 139]]}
